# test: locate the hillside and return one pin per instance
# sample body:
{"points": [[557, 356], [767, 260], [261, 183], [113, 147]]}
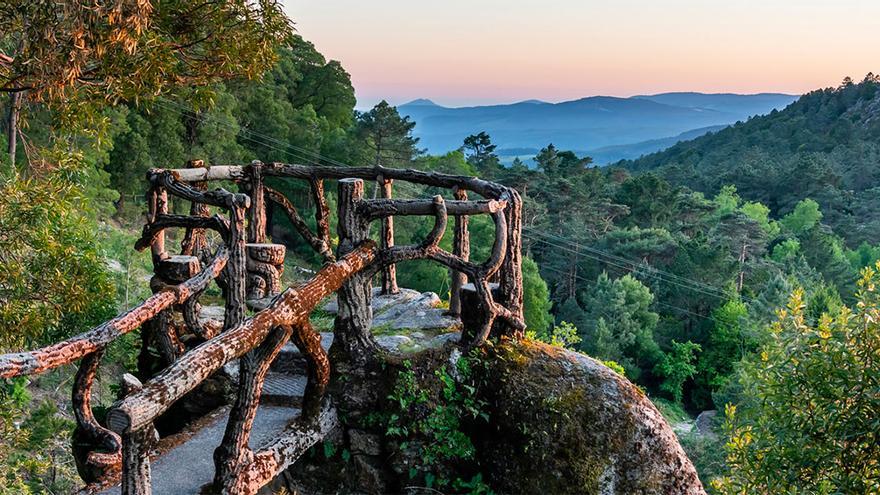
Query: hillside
{"points": [[824, 146], [587, 123]]}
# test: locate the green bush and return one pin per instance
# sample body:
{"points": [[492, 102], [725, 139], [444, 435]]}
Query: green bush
{"points": [[808, 423], [54, 281]]}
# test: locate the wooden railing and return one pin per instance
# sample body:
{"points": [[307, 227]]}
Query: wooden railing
{"points": [[248, 269]]}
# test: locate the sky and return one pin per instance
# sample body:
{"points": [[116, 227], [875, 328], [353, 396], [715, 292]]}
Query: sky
{"points": [[460, 53]]}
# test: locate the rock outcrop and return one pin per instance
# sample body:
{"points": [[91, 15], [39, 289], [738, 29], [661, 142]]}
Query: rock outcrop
{"points": [[561, 422]]}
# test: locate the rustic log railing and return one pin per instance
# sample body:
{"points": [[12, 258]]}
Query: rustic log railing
{"points": [[248, 270]]}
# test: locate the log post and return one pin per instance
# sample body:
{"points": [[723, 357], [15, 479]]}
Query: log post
{"points": [[351, 328], [236, 267], [461, 247], [194, 241], [234, 454], [157, 200], [511, 278], [257, 211], [389, 273], [135, 449]]}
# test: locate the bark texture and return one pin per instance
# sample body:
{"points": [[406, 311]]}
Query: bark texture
{"points": [[136, 450], [321, 242], [389, 273]]}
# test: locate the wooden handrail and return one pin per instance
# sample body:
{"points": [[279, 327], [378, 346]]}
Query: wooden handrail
{"points": [[158, 394], [374, 209], [47, 358]]}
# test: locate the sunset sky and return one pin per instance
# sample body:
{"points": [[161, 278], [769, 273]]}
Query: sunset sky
{"points": [[491, 51]]}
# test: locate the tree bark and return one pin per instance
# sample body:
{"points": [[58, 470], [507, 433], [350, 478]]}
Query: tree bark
{"points": [[12, 125], [320, 243], [234, 454], [322, 215], [194, 241], [511, 279], [96, 450], [257, 223], [236, 269]]}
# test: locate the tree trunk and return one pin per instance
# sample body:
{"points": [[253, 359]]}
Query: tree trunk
{"points": [[12, 126]]}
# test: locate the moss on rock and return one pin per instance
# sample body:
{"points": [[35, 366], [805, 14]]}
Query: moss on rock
{"points": [[561, 422]]}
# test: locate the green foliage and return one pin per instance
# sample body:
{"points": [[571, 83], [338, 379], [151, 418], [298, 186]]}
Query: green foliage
{"points": [[864, 255], [481, 154], [387, 136], [619, 325], [786, 250], [761, 214], [677, 366], [54, 281], [823, 146], [84, 51], [809, 425], [727, 200], [536, 298], [805, 216], [35, 454], [563, 335], [428, 415]]}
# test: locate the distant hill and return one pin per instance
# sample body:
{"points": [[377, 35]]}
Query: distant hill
{"points": [[609, 154], [586, 124], [825, 146]]}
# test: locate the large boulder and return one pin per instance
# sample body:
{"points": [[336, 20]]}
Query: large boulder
{"points": [[561, 422]]}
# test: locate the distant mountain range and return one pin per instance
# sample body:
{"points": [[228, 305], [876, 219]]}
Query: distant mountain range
{"points": [[607, 128]]}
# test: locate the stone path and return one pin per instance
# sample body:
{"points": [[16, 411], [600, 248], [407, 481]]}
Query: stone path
{"points": [[185, 468]]}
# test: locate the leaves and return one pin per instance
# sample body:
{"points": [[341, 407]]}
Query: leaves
{"points": [[809, 422]]}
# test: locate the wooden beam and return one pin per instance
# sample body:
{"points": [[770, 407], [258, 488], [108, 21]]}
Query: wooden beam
{"points": [[381, 208]]}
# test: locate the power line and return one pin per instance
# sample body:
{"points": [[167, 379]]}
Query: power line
{"points": [[660, 303], [632, 266], [635, 264]]}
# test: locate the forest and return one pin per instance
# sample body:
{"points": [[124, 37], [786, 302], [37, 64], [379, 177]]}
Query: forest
{"points": [[734, 272]]}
